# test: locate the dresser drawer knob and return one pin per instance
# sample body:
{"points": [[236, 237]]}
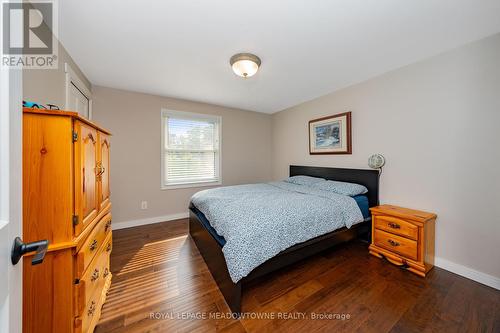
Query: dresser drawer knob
{"points": [[91, 309], [106, 273], [108, 225], [95, 275], [393, 243], [394, 225], [93, 245], [108, 248]]}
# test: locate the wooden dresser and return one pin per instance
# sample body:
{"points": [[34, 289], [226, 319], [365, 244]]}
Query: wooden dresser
{"points": [[404, 237], [65, 201]]}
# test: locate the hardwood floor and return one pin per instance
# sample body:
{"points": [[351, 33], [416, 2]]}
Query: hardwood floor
{"points": [[160, 283]]}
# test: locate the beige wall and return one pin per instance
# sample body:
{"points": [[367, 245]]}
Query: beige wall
{"points": [[134, 120], [437, 123], [49, 85]]}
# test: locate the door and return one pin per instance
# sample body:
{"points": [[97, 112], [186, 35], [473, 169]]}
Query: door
{"points": [[78, 101], [10, 198], [86, 198], [103, 173]]}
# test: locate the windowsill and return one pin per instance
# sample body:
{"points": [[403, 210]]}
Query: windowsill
{"points": [[188, 185]]}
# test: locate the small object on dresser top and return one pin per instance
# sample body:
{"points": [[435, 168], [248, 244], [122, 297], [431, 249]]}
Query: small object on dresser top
{"points": [[33, 105], [405, 237]]}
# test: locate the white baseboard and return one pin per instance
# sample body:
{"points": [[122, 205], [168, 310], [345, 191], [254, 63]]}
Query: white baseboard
{"points": [[486, 279], [149, 220]]}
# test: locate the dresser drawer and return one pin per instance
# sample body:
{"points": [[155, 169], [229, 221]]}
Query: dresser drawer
{"points": [[91, 245], [95, 276], [403, 246], [90, 294], [396, 226], [88, 318]]}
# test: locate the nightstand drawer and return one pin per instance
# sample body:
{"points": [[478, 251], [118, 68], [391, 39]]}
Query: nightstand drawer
{"points": [[403, 246], [396, 226]]}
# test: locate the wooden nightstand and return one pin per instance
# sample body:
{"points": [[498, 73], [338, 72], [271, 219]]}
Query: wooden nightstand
{"points": [[403, 236]]}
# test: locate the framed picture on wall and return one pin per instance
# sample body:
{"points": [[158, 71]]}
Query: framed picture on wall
{"points": [[330, 135]]}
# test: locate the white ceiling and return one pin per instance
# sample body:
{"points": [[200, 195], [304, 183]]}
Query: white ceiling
{"points": [[181, 48]]}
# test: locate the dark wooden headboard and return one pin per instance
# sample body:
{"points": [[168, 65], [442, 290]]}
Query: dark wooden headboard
{"points": [[366, 177]]}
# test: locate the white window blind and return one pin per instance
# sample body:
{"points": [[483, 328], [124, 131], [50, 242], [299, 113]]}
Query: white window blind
{"points": [[191, 149]]}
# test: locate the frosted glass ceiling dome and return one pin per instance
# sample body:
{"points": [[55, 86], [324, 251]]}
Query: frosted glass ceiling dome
{"points": [[245, 64]]}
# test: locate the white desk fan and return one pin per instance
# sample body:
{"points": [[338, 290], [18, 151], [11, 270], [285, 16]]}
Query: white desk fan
{"points": [[376, 161]]}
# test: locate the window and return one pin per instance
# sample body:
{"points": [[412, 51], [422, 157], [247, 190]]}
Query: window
{"points": [[190, 149]]}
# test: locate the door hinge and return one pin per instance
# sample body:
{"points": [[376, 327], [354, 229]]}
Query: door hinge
{"points": [[75, 220], [75, 136]]}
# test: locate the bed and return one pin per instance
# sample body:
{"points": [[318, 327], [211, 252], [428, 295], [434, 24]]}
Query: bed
{"points": [[211, 244]]}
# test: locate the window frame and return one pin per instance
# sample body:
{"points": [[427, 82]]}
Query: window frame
{"points": [[165, 113]]}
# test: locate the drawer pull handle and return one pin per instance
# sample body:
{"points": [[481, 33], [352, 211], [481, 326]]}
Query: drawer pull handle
{"points": [[91, 309], [393, 243], [93, 245], [394, 225], [108, 225], [108, 248], [95, 275], [106, 273]]}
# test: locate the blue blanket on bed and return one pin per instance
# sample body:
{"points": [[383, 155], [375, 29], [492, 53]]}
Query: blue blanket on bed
{"points": [[258, 221]]}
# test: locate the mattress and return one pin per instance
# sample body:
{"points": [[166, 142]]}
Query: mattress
{"points": [[361, 200]]}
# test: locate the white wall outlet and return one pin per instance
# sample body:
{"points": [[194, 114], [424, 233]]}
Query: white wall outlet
{"points": [[144, 205]]}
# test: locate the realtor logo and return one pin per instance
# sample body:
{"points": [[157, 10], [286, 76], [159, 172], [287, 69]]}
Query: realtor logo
{"points": [[28, 30]]}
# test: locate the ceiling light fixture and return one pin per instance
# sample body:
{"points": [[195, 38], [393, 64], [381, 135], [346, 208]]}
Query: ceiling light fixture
{"points": [[245, 64]]}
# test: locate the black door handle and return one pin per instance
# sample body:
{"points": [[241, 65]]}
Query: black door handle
{"points": [[19, 248]]}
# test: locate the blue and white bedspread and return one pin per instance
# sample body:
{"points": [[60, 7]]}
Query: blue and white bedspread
{"points": [[259, 221]]}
